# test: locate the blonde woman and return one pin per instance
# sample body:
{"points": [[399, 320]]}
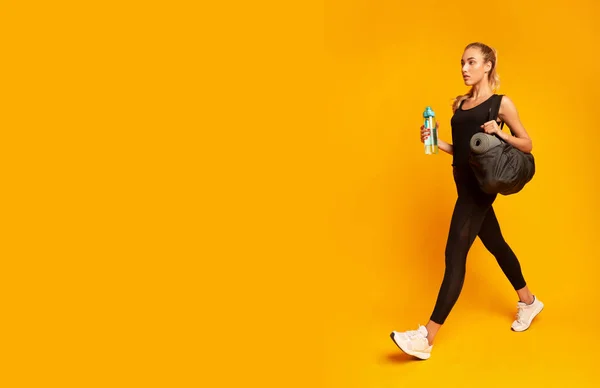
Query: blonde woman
{"points": [[473, 215]]}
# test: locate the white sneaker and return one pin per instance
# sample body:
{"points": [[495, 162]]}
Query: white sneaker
{"points": [[413, 342], [526, 313]]}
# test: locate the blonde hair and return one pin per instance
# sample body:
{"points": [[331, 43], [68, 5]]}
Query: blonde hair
{"points": [[489, 54]]}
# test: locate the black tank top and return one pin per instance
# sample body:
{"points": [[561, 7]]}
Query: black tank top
{"points": [[466, 123]]}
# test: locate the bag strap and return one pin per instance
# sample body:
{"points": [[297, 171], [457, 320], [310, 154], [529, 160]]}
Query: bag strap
{"points": [[495, 108]]}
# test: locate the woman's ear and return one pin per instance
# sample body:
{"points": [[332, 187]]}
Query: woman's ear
{"points": [[488, 66]]}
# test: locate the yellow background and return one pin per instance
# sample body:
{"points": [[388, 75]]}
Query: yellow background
{"points": [[234, 194], [388, 61]]}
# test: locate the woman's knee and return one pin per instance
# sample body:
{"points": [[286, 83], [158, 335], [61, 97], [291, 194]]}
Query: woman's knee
{"points": [[498, 247], [456, 260]]}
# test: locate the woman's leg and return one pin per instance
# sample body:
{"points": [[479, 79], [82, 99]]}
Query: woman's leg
{"points": [[491, 237], [467, 219], [529, 306], [469, 212]]}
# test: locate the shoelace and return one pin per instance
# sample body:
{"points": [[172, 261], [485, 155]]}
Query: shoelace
{"points": [[412, 334], [520, 313], [518, 316]]}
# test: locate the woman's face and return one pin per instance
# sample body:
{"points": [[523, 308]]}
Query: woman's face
{"points": [[473, 66]]}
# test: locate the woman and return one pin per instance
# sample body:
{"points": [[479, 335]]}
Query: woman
{"points": [[473, 213]]}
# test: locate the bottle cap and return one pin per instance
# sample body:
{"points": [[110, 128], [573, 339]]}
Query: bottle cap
{"points": [[428, 112]]}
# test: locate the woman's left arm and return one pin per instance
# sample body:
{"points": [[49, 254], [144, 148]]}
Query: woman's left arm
{"points": [[508, 114]]}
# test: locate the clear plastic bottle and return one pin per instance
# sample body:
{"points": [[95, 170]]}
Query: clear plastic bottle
{"points": [[431, 142]]}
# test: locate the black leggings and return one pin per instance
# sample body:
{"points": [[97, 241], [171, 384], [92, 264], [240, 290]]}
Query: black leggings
{"points": [[473, 216]]}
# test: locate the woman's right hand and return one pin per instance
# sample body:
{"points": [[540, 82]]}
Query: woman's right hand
{"points": [[425, 132]]}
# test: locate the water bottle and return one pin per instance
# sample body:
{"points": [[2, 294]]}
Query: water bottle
{"points": [[431, 143]]}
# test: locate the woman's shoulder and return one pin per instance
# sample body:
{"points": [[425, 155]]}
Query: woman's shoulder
{"points": [[506, 102], [507, 107]]}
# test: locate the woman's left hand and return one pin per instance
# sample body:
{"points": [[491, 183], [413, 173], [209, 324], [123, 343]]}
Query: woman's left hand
{"points": [[491, 127]]}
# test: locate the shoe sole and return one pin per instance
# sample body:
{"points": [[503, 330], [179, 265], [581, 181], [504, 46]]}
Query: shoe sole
{"points": [[419, 355], [532, 318]]}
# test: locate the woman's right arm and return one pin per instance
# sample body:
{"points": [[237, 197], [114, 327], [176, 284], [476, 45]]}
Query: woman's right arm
{"points": [[446, 147]]}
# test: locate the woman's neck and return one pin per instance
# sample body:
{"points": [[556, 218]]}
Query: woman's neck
{"points": [[481, 91]]}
